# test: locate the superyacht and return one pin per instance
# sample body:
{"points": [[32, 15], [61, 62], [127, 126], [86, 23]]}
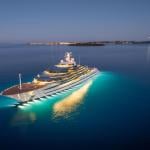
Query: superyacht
{"points": [[65, 75]]}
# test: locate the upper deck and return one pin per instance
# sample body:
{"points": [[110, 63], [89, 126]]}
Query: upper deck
{"points": [[68, 61]]}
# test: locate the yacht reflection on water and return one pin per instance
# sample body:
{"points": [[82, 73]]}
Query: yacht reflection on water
{"points": [[23, 118], [69, 104]]}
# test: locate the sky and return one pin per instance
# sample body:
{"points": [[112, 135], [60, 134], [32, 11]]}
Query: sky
{"points": [[74, 20]]}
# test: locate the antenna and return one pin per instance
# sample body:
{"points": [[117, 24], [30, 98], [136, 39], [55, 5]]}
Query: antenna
{"points": [[20, 86]]}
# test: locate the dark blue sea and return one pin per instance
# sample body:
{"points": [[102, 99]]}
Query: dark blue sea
{"points": [[111, 111]]}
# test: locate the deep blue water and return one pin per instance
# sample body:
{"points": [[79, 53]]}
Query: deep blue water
{"points": [[110, 112]]}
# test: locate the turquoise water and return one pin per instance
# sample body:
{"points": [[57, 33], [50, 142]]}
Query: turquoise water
{"points": [[109, 112]]}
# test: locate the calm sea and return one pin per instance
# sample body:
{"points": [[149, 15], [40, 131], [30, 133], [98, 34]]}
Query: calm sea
{"points": [[110, 112]]}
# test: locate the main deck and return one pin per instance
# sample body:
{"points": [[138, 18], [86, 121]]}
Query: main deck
{"points": [[26, 87]]}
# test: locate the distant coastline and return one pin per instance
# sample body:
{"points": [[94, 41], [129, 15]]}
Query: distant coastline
{"points": [[92, 43], [95, 43]]}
